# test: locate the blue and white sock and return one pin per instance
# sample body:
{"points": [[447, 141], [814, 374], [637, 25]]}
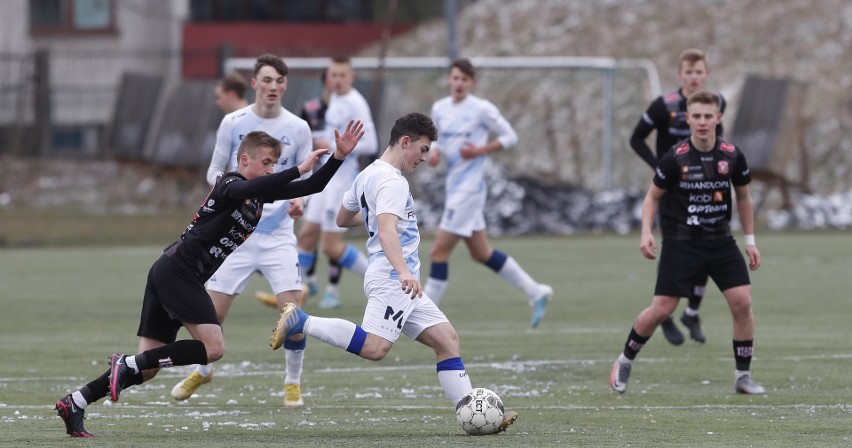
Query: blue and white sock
{"points": [[337, 332], [453, 379], [439, 275], [354, 260]]}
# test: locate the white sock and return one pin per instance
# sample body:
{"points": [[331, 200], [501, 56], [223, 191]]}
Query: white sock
{"points": [[456, 384], [740, 373], [131, 362], [624, 360], [516, 276], [360, 265], [204, 370], [294, 360], [435, 289], [79, 400], [337, 332], [690, 312], [331, 289]]}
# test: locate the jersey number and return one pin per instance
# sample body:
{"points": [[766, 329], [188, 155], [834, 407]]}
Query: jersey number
{"points": [[396, 317]]}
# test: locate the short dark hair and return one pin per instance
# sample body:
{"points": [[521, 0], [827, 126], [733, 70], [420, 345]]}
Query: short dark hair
{"points": [[692, 55], [234, 82], [255, 140], [465, 66], [414, 125], [342, 60], [271, 60], [704, 96]]}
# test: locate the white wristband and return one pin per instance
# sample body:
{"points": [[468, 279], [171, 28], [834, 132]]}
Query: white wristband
{"points": [[749, 240]]}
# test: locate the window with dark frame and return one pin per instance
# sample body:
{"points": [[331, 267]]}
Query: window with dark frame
{"points": [[72, 16]]}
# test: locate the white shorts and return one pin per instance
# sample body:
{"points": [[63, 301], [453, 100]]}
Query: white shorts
{"points": [[274, 256], [463, 213], [322, 208], [408, 316]]}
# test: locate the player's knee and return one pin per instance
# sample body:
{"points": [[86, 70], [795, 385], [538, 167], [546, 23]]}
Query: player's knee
{"points": [[215, 350], [375, 352], [741, 308], [480, 256]]}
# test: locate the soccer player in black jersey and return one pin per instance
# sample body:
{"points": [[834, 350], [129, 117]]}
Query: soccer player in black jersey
{"points": [[692, 190], [175, 294], [667, 115]]}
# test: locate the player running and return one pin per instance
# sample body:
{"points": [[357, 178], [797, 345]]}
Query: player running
{"points": [[175, 294], [318, 225], [464, 121], [272, 251]]}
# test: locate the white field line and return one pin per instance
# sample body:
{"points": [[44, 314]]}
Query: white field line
{"points": [[193, 409], [240, 369]]}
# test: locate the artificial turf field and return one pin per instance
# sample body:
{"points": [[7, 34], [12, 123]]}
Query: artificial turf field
{"points": [[64, 310]]}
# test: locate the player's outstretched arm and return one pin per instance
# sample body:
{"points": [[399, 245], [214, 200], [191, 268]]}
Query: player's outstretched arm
{"points": [[308, 164], [347, 141]]}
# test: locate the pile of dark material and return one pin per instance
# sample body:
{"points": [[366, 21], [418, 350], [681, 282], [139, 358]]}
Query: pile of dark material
{"points": [[518, 206]]}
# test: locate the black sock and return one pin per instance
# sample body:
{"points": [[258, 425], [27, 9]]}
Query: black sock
{"points": [[96, 389], [742, 354], [634, 344], [695, 302], [313, 265], [334, 272], [179, 353]]}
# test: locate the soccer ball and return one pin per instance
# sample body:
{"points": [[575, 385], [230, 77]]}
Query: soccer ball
{"points": [[480, 412]]}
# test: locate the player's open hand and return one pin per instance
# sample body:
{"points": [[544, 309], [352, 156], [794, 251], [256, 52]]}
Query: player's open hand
{"points": [[410, 285], [648, 246], [348, 139], [308, 164]]}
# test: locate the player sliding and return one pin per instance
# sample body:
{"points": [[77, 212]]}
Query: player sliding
{"points": [[380, 199], [175, 294]]}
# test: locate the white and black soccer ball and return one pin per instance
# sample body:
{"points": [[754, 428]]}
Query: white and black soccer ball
{"points": [[480, 412]]}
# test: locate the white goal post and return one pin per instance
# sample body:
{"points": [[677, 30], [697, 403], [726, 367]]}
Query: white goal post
{"points": [[606, 66]]}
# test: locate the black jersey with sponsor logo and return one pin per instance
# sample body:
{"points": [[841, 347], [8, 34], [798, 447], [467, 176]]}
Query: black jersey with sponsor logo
{"points": [[697, 202], [666, 114], [313, 111], [230, 214]]}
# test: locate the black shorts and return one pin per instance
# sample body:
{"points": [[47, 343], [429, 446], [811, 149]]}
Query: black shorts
{"points": [[173, 297], [683, 263]]}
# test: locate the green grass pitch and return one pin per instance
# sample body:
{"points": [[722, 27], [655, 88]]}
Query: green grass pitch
{"points": [[64, 310]]}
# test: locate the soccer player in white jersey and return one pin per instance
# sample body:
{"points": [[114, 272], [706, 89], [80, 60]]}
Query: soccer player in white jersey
{"points": [[272, 248], [380, 200], [318, 225], [464, 122]]}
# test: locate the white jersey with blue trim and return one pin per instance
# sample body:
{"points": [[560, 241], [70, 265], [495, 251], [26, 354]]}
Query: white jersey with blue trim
{"points": [[468, 121], [342, 109], [381, 188], [296, 144]]}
